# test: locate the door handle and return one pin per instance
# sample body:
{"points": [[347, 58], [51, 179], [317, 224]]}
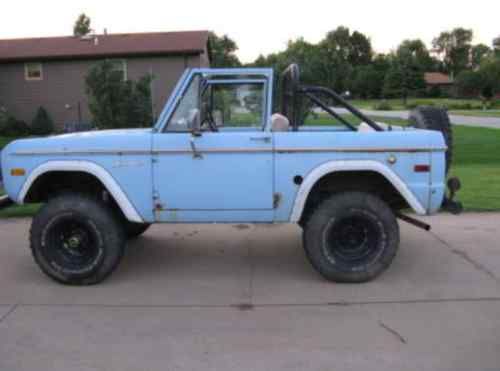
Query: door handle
{"points": [[196, 154], [261, 139]]}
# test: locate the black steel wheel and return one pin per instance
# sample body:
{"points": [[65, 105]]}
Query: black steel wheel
{"points": [[76, 240], [351, 237]]}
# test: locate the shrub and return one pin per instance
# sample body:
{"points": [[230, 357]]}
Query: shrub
{"points": [[115, 103], [11, 127], [382, 106], [42, 123]]}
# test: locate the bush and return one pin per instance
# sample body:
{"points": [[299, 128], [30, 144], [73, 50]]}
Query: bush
{"points": [[382, 106], [115, 103], [11, 127], [42, 123]]}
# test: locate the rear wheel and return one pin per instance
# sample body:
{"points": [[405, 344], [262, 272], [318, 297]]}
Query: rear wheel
{"points": [[76, 240], [351, 237]]}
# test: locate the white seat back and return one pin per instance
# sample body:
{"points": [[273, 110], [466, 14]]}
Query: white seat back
{"points": [[279, 122]]}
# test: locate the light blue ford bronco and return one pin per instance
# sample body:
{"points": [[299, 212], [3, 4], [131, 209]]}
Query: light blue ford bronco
{"points": [[219, 154]]}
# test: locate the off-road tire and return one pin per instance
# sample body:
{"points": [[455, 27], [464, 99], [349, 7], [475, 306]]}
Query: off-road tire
{"points": [[134, 230], [340, 257], [433, 118], [100, 240]]}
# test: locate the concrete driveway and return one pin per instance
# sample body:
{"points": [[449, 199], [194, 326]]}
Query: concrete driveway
{"points": [[244, 298]]}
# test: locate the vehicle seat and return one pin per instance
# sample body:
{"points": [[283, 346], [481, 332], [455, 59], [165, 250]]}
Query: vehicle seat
{"points": [[279, 122]]}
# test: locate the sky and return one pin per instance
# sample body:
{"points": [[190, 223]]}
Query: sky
{"points": [[258, 27]]}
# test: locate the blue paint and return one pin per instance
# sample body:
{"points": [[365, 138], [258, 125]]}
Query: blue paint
{"points": [[240, 170]]}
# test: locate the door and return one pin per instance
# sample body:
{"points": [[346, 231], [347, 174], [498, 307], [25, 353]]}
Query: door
{"points": [[224, 173]]}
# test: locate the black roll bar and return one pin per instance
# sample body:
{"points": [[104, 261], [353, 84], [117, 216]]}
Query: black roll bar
{"points": [[309, 91]]}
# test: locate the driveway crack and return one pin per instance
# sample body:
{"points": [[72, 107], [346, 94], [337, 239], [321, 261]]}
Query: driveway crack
{"points": [[396, 334], [465, 256], [9, 312]]}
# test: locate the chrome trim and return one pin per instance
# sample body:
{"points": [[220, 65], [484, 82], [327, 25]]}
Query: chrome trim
{"points": [[359, 149], [230, 150]]}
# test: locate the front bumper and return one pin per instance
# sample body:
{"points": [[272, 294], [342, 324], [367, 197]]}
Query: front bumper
{"points": [[5, 202]]}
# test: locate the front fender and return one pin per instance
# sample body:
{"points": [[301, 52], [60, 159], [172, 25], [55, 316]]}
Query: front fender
{"points": [[362, 165], [88, 167]]}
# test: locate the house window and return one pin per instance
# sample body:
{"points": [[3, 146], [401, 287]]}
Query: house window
{"points": [[120, 66], [33, 71]]}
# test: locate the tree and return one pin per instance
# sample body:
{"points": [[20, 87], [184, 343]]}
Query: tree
{"points": [[454, 47], [42, 124], [367, 82], [479, 53], [360, 49], [223, 51], [404, 78], [115, 103], [418, 53], [496, 46], [82, 26], [484, 82]]}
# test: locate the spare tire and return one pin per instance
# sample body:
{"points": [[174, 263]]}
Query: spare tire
{"points": [[432, 118]]}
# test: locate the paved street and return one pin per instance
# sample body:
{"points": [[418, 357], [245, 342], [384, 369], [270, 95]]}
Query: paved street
{"points": [[486, 122], [243, 297]]}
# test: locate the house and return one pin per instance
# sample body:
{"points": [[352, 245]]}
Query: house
{"points": [[50, 72], [438, 83]]}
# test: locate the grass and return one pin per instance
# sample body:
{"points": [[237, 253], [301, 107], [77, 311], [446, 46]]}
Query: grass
{"points": [[477, 113]]}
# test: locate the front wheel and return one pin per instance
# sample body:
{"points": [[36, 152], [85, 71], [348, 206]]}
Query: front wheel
{"points": [[351, 237], [76, 240]]}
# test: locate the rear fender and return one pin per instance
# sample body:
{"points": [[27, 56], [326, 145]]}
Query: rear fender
{"points": [[363, 165]]}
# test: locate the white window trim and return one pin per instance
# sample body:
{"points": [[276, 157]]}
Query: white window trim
{"points": [[26, 75]]}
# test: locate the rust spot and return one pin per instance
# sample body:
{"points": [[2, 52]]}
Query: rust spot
{"points": [[276, 200], [241, 226]]}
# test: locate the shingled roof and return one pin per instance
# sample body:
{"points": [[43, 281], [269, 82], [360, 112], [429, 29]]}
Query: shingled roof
{"points": [[437, 78], [102, 46]]}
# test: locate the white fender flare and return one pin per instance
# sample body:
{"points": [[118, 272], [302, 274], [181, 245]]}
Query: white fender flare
{"points": [[87, 167], [362, 165]]}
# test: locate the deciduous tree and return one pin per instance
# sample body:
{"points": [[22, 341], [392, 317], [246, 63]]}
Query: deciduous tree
{"points": [[82, 25], [223, 50]]}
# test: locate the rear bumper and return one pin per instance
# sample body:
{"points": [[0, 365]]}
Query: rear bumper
{"points": [[5, 202]]}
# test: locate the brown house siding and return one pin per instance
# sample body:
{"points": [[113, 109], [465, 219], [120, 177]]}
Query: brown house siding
{"points": [[63, 85]]}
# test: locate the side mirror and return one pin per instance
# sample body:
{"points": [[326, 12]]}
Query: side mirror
{"points": [[194, 122]]}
